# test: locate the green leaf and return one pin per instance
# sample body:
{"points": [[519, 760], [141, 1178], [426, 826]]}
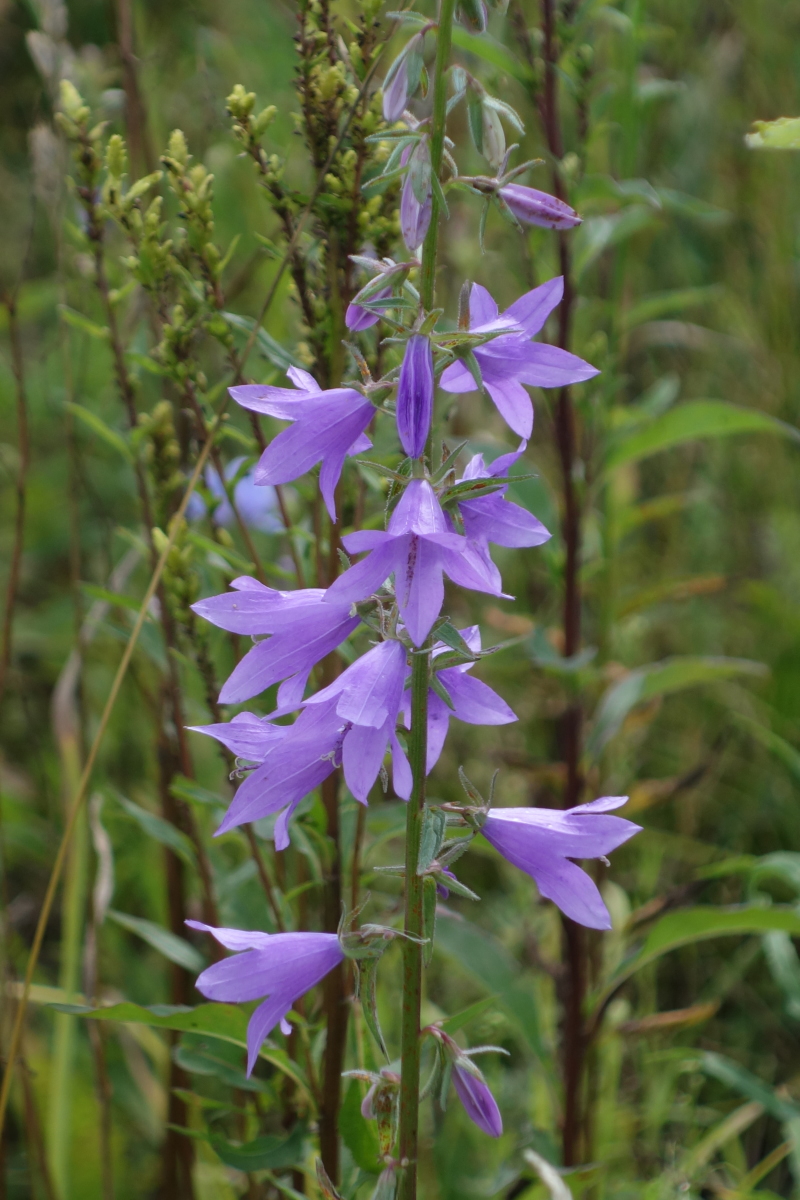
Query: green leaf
{"points": [[746, 1084], [654, 681], [598, 234], [175, 948], [781, 134], [78, 321], [98, 426], [268, 1153], [228, 1022], [689, 423], [359, 1135], [691, 925], [482, 957], [200, 1062], [663, 304], [156, 827], [271, 349], [783, 750], [113, 598], [454, 1023], [493, 52]]}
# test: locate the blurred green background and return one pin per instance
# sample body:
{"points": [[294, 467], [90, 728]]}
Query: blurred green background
{"points": [[688, 272]]}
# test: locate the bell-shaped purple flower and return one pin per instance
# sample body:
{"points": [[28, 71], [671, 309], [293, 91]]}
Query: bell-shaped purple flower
{"points": [[474, 1093], [402, 79], [492, 518], [541, 842], [304, 626], [327, 426], [532, 207], [512, 359], [473, 701], [415, 395], [417, 549], [416, 198], [279, 966], [357, 319]]}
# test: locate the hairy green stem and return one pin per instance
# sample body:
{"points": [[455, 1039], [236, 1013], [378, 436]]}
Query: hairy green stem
{"points": [[412, 950], [438, 121]]}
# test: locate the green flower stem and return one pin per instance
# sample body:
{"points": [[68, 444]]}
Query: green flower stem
{"points": [[412, 950], [438, 122], [418, 739]]}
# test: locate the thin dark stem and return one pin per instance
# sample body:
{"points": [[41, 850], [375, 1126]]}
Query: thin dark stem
{"points": [[413, 926], [23, 441], [141, 149]]}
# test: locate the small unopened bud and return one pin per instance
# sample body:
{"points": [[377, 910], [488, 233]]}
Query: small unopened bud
{"points": [[532, 207], [415, 395]]}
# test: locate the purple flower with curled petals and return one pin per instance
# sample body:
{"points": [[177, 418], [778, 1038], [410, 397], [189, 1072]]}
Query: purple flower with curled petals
{"points": [[532, 207], [279, 966], [512, 359], [327, 426], [492, 518], [474, 1093], [304, 626], [417, 548], [541, 842], [416, 198], [473, 701], [415, 395]]}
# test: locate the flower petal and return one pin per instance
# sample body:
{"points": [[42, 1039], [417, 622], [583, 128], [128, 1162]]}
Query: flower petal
{"points": [[532, 310], [419, 587]]}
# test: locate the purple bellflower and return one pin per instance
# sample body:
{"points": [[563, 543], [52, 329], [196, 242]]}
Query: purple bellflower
{"points": [[492, 518], [327, 426], [279, 966], [400, 80], [357, 319], [512, 359], [541, 842], [351, 723], [415, 395], [304, 625], [532, 207], [474, 702], [417, 548]]}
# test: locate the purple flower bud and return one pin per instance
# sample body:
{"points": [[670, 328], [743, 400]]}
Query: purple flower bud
{"points": [[415, 395], [416, 200], [358, 319], [473, 1092], [533, 207], [395, 90]]}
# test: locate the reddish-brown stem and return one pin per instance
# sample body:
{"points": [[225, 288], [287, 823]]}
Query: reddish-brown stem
{"points": [[23, 441], [141, 150]]}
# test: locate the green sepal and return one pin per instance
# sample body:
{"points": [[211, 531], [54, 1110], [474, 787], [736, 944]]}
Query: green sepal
{"points": [[441, 691], [451, 851], [455, 885], [447, 633], [434, 824], [367, 977]]}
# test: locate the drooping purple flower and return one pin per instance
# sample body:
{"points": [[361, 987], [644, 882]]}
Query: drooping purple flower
{"points": [[533, 207], [541, 842], [247, 736], [474, 702], [417, 548], [327, 426], [279, 966], [415, 395], [474, 1093], [305, 627], [290, 767], [492, 518], [512, 359], [416, 198]]}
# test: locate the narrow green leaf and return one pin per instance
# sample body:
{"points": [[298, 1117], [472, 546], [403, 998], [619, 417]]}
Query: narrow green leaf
{"points": [[268, 1153], [271, 349], [454, 1023], [493, 52], [156, 827], [693, 421], [654, 681], [98, 426], [359, 1135], [78, 321], [228, 1022], [175, 948]]}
